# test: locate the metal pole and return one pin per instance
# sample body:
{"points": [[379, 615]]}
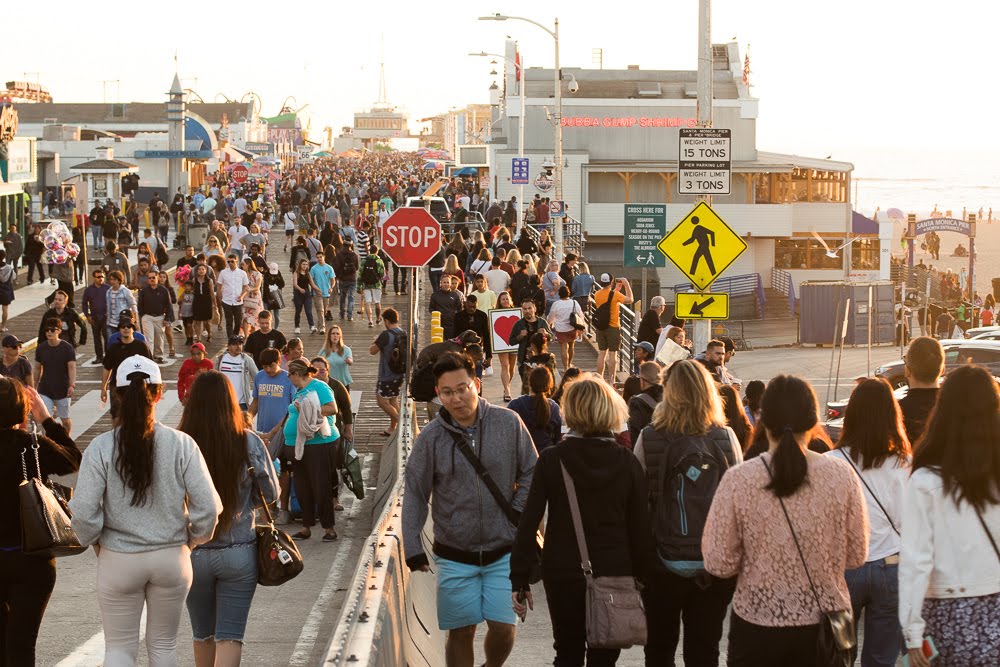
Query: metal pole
{"points": [[520, 151], [843, 335], [972, 259], [559, 242], [833, 351], [702, 329], [645, 303], [868, 368]]}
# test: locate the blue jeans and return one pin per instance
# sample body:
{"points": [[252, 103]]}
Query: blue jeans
{"points": [[347, 298], [302, 301], [874, 588], [224, 583]]}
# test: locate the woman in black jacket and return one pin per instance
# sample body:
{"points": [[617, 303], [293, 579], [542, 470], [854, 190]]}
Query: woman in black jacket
{"points": [[26, 581], [611, 491]]}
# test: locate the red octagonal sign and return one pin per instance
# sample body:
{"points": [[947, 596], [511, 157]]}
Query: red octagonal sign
{"points": [[411, 237], [240, 174]]}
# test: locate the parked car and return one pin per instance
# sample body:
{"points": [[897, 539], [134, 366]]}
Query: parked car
{"points": [[983, 333], [957, 352], [834, 423]]}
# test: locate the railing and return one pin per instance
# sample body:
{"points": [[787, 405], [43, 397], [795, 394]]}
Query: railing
{"points": [[629, 334], [743, 285], [573, 236], [781, 281]]}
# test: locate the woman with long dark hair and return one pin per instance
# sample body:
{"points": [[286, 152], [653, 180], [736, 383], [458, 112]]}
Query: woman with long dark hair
{"points": [[949, 563], [142, 531], [736, 419], [753, 393], [874, 442], [225, 568], [26, 580], [540, 413], [777, 606]]}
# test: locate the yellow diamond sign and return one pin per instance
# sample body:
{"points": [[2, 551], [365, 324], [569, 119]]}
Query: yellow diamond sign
{"points": [[702, 246]]}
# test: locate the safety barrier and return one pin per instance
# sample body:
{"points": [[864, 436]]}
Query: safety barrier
{"points": [[629, 324], [574, 239], [781, 281]]}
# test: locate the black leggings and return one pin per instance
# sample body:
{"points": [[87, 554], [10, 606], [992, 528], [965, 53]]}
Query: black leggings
{"points": [[26, 582], [752, 645], [32, 263], [567, 601], [313, 478]]}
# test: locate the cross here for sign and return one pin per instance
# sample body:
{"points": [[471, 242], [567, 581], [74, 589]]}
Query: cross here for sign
{"points": [[411, 237]]}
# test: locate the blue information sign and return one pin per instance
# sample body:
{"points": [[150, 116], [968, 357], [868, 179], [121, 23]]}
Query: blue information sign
{"points": [[519, 171]]}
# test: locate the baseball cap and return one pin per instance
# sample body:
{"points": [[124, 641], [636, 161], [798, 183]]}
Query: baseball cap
{"points": [[233, 340], [198, 346], [11, 341], [607, 278], [140, 367], [272, 268], [645, 345]]}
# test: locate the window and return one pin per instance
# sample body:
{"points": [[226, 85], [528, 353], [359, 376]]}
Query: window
{"points": [[805, 254], [865, 254]]}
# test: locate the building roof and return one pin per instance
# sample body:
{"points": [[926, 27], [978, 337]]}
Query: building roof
{"points": [[628, 84], [101, 165], [129, 113]]}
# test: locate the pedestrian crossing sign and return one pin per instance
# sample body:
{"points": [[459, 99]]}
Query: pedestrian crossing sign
{"points": [[702, 246]]}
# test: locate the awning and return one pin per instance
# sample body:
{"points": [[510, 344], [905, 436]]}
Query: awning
{"points": [[466, 171], [233, 154], [863, 225]]}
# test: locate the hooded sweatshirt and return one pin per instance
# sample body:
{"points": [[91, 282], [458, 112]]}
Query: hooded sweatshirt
{"points": [[611, 492], [466, 517]]}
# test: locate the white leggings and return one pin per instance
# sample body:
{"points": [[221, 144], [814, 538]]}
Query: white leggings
{"points": [[125, 582]]}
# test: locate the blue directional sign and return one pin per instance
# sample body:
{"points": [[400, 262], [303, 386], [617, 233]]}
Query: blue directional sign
{"points": [[519, 171]]}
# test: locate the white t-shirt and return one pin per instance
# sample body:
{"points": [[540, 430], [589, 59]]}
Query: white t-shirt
{"points": [[497, 280], [236, 233], [289, 222], [232, 282], [240, 205], [232, 368], [888, 482], [559, 314]]}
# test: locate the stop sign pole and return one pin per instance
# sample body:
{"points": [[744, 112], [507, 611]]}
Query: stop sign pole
{"points": [[411, 237]]}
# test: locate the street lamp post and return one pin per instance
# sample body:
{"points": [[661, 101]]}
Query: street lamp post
{"points": [[520, 133], [558, 223]]}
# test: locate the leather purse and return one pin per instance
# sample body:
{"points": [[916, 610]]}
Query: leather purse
{"points": [[837, 639], [614, 614], [46, 528], [278, 559]]}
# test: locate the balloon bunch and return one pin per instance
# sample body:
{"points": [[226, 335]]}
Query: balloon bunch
{"points": [[58, 242], [182, 274]]}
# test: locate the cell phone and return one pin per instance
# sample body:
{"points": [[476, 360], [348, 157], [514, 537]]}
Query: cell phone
{"points": [[927, 648], [521, 598]]}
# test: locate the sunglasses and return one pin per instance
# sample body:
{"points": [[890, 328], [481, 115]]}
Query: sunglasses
{"points": [[126, 326], [48, 329]]}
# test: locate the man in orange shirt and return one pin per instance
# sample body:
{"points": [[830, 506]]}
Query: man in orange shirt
{"points": [[609, 338]]}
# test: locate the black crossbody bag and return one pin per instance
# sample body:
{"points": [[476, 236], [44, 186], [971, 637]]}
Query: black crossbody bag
{"points": [[535, 571]]}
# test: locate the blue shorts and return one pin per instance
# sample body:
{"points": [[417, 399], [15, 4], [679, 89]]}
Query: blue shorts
{"points": [[222, 590], [469, 594]]}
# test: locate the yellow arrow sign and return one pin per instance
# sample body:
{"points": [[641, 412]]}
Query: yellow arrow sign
{"points": [[702, 306], [702, 246]]}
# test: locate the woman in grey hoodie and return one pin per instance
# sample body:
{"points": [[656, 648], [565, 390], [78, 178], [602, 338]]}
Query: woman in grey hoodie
{"points": [[144, 499]]}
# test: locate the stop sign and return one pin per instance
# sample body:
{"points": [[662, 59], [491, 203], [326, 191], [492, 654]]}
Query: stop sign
{"points": [[411, 237], [240, 174]]}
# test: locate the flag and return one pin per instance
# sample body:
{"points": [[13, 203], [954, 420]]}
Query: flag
{"points": [[746, 68], [517, 66]]}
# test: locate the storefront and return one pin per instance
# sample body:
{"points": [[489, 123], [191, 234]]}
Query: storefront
{"points": [[16, 172]]}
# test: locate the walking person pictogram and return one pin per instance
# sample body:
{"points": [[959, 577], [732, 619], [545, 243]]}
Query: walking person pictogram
{"points": [[705, 238]]}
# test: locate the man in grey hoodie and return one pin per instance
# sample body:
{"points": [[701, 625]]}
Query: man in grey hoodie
{"points": [[472, 535]]}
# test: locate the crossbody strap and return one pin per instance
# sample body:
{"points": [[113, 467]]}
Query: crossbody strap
{"points": [[870, 491], [982, 521], [260, 494], [574, 511], [484, 475], [795, 538]]}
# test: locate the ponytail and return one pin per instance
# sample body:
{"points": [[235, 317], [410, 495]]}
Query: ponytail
{"points": [[134, 436], [788, 407], [540, 383]]}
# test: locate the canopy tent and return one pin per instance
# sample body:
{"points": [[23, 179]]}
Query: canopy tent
{"points": [[323, 154], [434, 164]]}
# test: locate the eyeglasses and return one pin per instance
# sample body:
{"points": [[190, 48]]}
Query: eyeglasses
{"points": [[459, 392]]}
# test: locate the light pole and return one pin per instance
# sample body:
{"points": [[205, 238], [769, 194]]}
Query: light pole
{"points": [[520, 132], [558, 223]]}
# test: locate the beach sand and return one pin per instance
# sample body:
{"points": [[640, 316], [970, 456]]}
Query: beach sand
{"points": [[987, 253]]}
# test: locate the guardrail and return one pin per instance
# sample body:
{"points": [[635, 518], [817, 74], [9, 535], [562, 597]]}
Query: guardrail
{"points": [[573, 237], [781, 281], [742, 285], [629, 324]]}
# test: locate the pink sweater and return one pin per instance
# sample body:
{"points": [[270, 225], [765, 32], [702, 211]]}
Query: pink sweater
{"points": [[746, 535]]}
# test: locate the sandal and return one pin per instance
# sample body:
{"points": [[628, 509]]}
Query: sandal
{"points": [[330, 537], [301, 536], [385, 434], [506, 398]]}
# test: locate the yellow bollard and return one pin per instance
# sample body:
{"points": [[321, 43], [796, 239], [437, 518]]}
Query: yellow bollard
{"points": [[146, 216]]}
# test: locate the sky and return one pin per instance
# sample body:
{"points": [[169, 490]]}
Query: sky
{"points": [[902, 89]]}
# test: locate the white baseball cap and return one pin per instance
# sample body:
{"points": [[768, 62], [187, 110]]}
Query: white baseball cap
{"points": [[272, 268], [606, 278], [137, 364]]}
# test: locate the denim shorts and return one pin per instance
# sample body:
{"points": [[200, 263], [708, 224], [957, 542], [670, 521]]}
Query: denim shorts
{"points": [[470, 594], [57, 407], [225, 581]]}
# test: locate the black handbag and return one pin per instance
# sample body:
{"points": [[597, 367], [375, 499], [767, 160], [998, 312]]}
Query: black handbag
{"points": [[278, 559], [46, 528], [535, 569], [837, 639], [576, 318]]}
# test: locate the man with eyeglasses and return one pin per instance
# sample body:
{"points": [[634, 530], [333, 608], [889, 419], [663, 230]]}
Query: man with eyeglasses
{"points": [[95, 309], [472, 534], [55, 371], [234, 284], [69, 320]]}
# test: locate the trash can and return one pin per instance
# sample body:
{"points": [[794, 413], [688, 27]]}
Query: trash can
{"points": [[197, 235]]}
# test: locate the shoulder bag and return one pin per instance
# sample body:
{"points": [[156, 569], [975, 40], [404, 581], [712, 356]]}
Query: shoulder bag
{"points": [[278, 559], [576, 317], [535, 571], [46, 529], [837, 638], [615, 616], [870, 492]]}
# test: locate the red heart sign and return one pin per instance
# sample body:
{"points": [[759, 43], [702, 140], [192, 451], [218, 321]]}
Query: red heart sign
{"points": [[504, 325]]}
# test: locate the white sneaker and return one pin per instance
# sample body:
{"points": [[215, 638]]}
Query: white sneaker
{"points": [[298, 330], [312, 329]]}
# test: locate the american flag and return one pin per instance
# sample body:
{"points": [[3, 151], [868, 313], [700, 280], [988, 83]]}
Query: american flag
{"points": [[746, 68], [517, 66]]}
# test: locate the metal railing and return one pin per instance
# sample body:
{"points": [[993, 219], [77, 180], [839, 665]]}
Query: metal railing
{"points": [[629, 324], [781, 281], [574, 239], [742, 285]]}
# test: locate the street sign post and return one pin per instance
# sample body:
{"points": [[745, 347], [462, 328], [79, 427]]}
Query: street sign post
{"points": [[519, 171], [704, 162], [411, 237], [702, 246], [702, 306]]}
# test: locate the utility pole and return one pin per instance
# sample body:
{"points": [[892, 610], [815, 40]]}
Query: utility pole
{"points": [[702, 329], [559, 240]]}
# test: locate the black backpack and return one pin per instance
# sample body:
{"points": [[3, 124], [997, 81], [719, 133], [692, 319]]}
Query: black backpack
{"points": [[602, 316], [369, 273], [689, 475], [397, 356], [350, 265]]}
